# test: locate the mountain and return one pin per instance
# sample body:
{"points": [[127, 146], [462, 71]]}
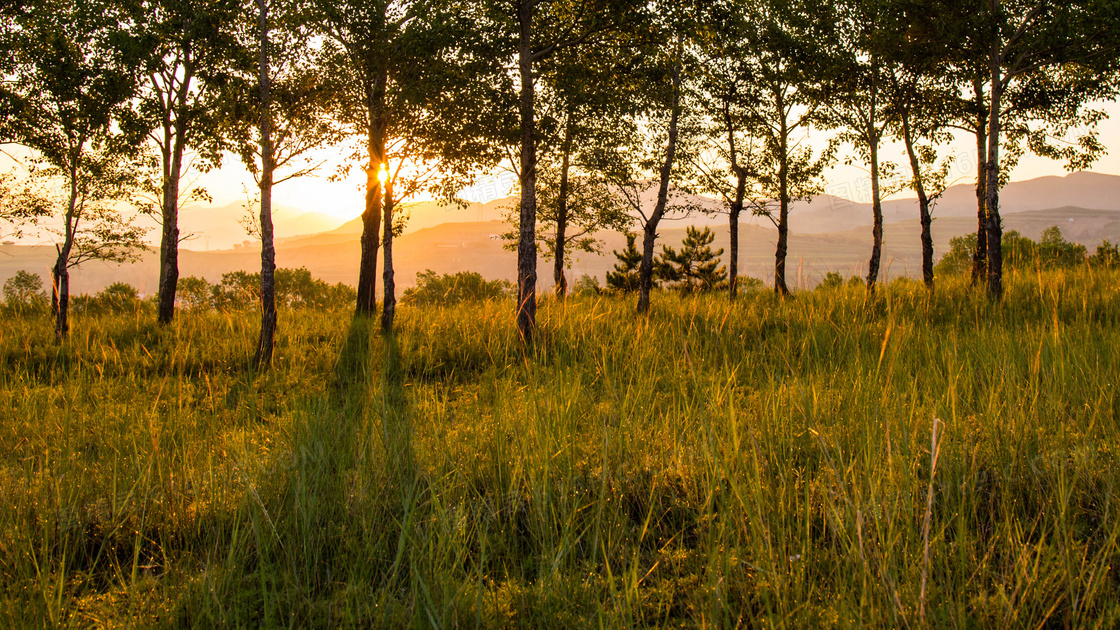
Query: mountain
{"points": [[219, 227], [829, 234]]}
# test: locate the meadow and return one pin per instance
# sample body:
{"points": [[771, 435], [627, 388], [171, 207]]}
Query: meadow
{"points": [[835, 459]]}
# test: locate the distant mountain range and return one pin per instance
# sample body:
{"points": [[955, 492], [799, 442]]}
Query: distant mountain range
{"points": [[827, 234]]}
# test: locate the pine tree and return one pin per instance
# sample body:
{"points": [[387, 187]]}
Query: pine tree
{"points": [[625, 277], [696, 267]]}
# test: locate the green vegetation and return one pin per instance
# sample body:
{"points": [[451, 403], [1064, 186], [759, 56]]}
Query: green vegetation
{"points": [[763, 462], [433, 289]]}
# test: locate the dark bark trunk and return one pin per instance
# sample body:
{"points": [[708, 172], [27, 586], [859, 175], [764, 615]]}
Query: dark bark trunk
{"points": [[560, 244], [876, 211], [265, 342], [980, 254], [995, 228], [61, 273], [389, 305], [371, 216], [872, 134], [649, 239], [780, 286], [736, 207], [923, 201], [527, 239]]}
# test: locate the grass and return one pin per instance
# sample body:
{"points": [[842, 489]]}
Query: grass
{"points": [[766, 462]]}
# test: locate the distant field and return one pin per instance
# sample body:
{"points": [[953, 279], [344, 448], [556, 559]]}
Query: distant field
{"points": [[766, 462]]}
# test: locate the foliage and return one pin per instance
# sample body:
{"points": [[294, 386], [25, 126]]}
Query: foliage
{"points": [[118, 297], [586, 285], [24, 288], [449, 289], [239, 290], [696, 268], [1107, 255], [1051, 252], [832, 280], [625, 277]]}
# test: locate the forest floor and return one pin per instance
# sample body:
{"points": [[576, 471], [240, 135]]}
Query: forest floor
{"points": [[829, 460]]}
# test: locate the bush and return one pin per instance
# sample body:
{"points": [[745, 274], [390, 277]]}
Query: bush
{"points": [[832, 280], [1107, 256], [1053, 251], [696, 268], [586, 285], [295, 288], [448, 289], [24, 289], [625, 278], [118, 297]]}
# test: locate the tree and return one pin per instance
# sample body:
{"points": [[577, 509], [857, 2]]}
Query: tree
{"points": [[625, 276], [290, 118], [74, 80], [696, 268], [1040, 63], [779, 103], [420, 82], [857, 98], [536, 30], [583, 101], [722, 164], [193, 53]]}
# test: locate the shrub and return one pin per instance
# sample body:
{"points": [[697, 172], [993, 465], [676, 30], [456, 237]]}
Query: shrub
{"points": [[832, 280], [1107, 256], [625, 277], [448, 289], [586, 285], [196, 294], [24, 289]]}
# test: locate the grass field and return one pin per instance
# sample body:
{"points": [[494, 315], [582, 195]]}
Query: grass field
{"points": [[763, 463]]}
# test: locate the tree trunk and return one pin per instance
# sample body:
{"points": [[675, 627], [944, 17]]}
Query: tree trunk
{"points": [[371, 216], [737, 204], [527, 239], [169, 243], [389, 305], [782, 248], [995, 228], [649, 239], [61, 273], [560, 244], [265, 343], [980, 254], [876, 208], [175, 138], [923, 201]]}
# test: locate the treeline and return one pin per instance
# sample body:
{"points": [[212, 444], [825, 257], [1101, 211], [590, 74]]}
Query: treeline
{"points": [[606, 110]]}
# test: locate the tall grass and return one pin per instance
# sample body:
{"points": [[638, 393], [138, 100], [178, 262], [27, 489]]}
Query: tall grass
{"points": [[766, 462]]}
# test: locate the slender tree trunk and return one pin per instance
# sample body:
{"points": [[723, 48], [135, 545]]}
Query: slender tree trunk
{"points": [[560, 244], [733, 218], [737, 204], [980, 254], [371, 217], [782, 248], [995, 227], [61, 272], [527, 240], [389, 305], [649, 238], [268, 251], [876, 211], [923, 201], [175, 138]]}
